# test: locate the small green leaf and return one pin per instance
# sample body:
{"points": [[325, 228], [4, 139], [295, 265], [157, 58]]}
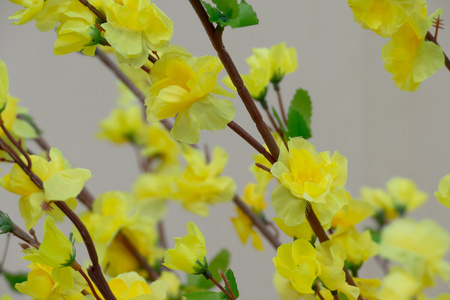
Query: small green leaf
{"points": [[342, 296], [376, 235], [230, 13], [14, 278], [233, 285], [203, 296], [299, 115], [220, 261], [6, 224]]}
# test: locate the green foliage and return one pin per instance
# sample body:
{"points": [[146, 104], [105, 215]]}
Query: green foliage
{"points": [[342, 296], [299, 115], [207, 295], [220, 261], [233, 285], [230, 13], [6, 224], [14, 278]]}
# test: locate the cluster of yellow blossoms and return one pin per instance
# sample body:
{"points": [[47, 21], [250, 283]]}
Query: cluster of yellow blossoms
{"points": [[408, 55]]}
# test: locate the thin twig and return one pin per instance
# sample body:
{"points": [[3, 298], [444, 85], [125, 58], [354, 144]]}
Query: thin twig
{"points": [[5, 252], [227, 284], [251, 140], [94, 10], [280, 103], [262, 167], [221, 288], [257, 222], [89, 283]]}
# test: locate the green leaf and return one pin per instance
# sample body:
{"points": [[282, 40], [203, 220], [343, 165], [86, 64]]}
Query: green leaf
{"points": [[233, 285], [15, 278], [342, 296], [220, 261], [299, 115], [203, 296], [230, 13]]}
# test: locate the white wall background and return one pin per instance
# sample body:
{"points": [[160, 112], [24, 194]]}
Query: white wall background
{"points": [[357, 110]]}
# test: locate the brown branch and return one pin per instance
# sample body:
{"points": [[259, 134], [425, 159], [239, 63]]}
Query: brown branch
{"points": [[227, 284], [323, 237], [215, 35], [257, 222], [431, 38], [221, 288], [94, 10], [262, 167], [251, 140], [280, 103]]}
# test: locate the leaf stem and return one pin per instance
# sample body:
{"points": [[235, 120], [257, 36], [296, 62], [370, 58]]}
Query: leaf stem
{"points": [[221, 288], [227, 284], [280, 102]]}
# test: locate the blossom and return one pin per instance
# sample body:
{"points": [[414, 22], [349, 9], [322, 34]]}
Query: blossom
{"points": [[301, 231], [189, 254], [355, 212], [242, 223], [286, 291], [60, 183], [384, 17], [123, 125], [41, 285], [399, 284], [308, 176], [409, 57], [368, 287], [443, 194], [55, 251], [256, 81], [183, 87], [276, 61], [419, 246], [130, 285], [77, 31], [134, 27], [298, 263], [200, 184], [44, 12]]}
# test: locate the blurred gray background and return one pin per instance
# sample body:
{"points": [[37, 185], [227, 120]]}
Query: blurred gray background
{"points": [[357, 110]]}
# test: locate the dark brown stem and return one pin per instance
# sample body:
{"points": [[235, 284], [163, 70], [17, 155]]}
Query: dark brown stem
{"points": [[251, 140], [215, 35], [262, 167], [120, 75], [162, 235], [227, 284], [153, 275], [257, 221], [431, 38], [94, 10], [89, 283], [221, 288], [280, 103], [323, 237], [152, 59], [23, 235], [15, 143]]}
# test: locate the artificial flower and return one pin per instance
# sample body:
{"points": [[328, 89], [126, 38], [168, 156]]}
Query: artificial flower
{"points": [[443, 193]]}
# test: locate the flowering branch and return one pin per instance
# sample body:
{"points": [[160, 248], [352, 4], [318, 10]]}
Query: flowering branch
{"points": [[215, 35], [431, 38]]}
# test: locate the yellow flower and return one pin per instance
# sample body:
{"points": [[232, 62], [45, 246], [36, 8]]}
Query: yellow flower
{"points": [[134, 27], [256, 81], [130, 285], [399, 284], [123, 125], [306, 175], [286, 291], [201, 184], [359, 247], [183, 87], [41, 285], [276, 61], [419, 246], [173, 284], [384, 17], [5, 297], [77, 31], [61, 183], [443, 194], [368, 287], [402, 196], [189, 254], [158, 144], [298, 263], [55, 251], [409, 57], [355, 212], [44, 12]]}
